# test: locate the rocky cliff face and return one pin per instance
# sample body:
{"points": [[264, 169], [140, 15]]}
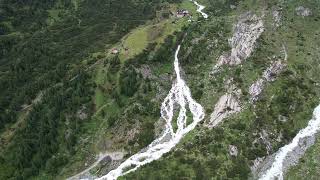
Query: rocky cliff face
{"points": [[243, 84], [246, 32], [227, 105], [269, 75]]}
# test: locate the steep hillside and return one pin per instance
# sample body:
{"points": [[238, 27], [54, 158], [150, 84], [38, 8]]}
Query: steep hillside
{"points": [[254, 104], [48, 52], [170, 89]]}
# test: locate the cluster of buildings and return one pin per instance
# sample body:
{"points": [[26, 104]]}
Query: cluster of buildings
{"points": [[182, 13]]}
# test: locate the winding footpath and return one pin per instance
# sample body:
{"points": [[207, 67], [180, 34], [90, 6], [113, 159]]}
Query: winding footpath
{"points": [[277, 168]]}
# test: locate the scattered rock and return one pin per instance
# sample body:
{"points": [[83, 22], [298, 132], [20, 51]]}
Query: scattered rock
{"points": [[67, 134], [276, 16], [273, 70], [264, 136], [81, 114], [302, 11], [280, 136], [233, 150], [269, 75], [197, 40], [233, 6], [291, 159], [256, 166], [145, 71], [256, 89], [282, 118], [106, 160]]}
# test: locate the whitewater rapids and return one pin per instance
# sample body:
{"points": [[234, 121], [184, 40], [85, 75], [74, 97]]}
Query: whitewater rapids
{"points": [[179, 95], [276, 170], [200, 9]]}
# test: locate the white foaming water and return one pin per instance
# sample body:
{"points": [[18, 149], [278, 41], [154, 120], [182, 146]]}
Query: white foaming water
{"points": [[179, 95], [276, 170], [200, 8]]}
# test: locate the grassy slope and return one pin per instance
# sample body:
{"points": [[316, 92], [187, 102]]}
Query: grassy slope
{"points": [[204, 153], [309, 166], [94, 127], [105, 107]]}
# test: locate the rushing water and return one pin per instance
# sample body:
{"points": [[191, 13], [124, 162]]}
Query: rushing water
{"points": [[200, 8], [276, 170], [180, 96]]}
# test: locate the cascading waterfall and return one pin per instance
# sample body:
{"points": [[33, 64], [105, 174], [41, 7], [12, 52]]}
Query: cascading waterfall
{"points": [[276, 170], [200, 8], [179, 95]]}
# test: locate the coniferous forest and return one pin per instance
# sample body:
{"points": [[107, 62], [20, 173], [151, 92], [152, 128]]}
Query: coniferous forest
{"points": [[85, 78]]}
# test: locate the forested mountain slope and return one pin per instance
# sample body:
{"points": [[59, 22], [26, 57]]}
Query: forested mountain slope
{"points": [[44, 44], [82, 85]]}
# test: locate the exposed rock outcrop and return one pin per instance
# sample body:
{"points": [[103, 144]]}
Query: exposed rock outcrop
{"points": [[269, 75], [303, 11], [103, 160], [273, 71], [233, 150], [264, 137], [262, 164], [246, 32], [227, 105], [276, 16], [256, 89], [289, 155], [145, 71], [81, 113]]}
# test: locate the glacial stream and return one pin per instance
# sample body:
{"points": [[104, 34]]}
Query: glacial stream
{"points": [[200, 8], [179, 96], [276, 170]]}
